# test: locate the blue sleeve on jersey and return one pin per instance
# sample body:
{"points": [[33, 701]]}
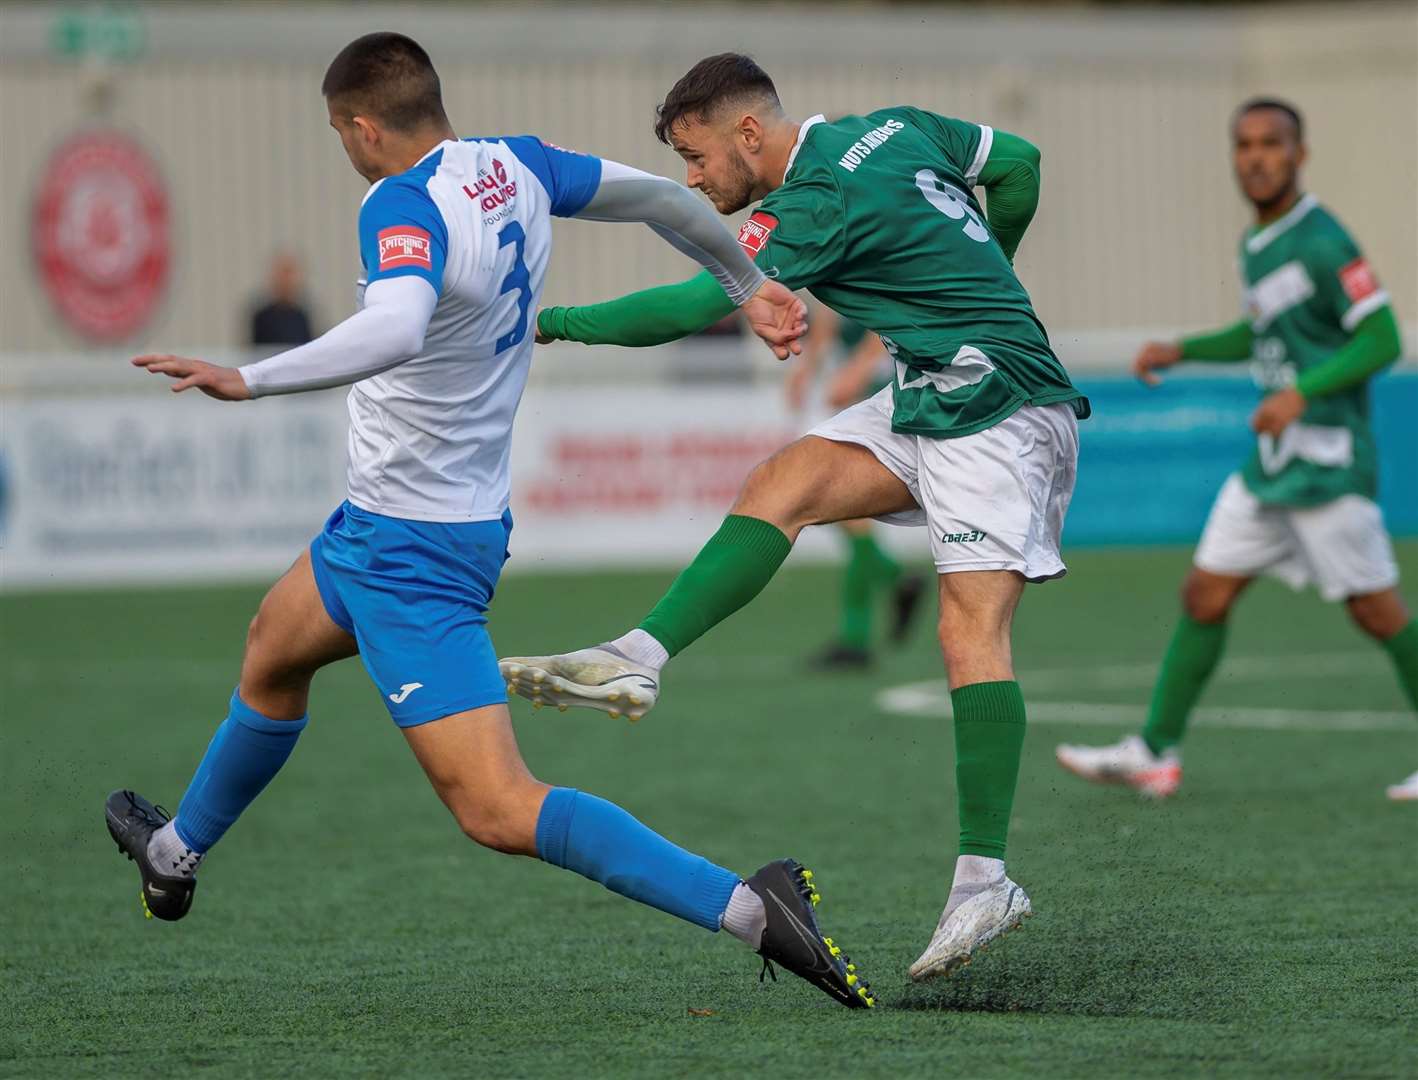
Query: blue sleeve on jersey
{"points": [[402, 233], [571, 179]]}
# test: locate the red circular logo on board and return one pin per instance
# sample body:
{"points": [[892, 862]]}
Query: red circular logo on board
{"points": [[100, 233]]}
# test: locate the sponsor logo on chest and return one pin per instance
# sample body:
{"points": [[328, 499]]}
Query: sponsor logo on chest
{"points": [[1277, 292], [492, 190], [869, 141]]}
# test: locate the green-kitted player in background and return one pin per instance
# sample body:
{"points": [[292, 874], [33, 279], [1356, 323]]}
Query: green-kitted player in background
{"points": [[1318, 327], [976, 437], [863, 368]]}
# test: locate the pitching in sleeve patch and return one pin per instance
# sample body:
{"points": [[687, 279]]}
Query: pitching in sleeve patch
{"points": [[1358, 280], [754, 233], [405, 245]]}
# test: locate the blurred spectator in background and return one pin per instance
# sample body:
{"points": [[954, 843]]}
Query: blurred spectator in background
{"points": [[281, 318]]}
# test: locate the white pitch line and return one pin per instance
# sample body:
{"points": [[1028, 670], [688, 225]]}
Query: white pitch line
{"points": [[1238, 669], [932, 699]]}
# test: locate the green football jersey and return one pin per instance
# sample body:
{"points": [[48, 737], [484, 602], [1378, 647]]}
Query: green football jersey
{"points": [[1307, 288], [878, 219]]}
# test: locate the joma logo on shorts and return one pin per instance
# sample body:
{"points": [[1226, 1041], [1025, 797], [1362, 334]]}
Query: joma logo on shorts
{"points": [[962, 538]]}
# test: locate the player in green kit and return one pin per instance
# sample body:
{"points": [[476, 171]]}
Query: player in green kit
{"points": [[976, 438], [862, 369], [1318, 327]]}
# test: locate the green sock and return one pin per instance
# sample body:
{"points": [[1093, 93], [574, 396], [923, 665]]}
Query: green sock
{"points": [[1403, 649], [858, 580], [729, 571], [1190, 660], [989, 737], [874, 559]]}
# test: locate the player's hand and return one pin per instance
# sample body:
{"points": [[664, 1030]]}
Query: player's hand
{"points": [[1154, 356], [847, 386], [222, 383], [778, 317], [1278, 411]]}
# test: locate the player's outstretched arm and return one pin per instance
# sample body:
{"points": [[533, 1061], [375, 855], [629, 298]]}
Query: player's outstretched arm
{"points": [[648, 317], [388, 330], [1230, 344], [678, 216], [655, 316], [670, 312]]}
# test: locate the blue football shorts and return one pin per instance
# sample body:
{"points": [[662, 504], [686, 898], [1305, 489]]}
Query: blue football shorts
{"points": [[414, 594]]}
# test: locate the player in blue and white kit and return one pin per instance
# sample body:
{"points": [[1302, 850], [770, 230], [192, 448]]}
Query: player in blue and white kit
{"points": [[454, 237]]}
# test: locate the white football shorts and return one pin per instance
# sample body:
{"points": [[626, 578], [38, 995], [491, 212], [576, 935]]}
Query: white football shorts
{"points": [[1341, 547], [994, 500]]}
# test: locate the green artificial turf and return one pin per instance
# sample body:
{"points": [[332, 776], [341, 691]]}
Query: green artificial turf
{"points": [[1262, 923]]}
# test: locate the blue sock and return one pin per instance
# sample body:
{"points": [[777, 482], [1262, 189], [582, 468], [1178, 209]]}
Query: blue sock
{"points": [[601, 841], [247, 750]]}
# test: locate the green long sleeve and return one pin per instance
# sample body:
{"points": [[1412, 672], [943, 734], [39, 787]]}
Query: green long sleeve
{"points": [[1011, 178], [1375, 345], [1229, 344], [648, 317]]}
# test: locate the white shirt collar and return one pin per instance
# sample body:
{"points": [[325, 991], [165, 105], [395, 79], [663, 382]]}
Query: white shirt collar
{"points": [[802, 134], [375, 186], [1260, 240]]}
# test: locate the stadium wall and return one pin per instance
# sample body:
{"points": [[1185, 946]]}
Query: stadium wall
{"points": [[1138, 225]]}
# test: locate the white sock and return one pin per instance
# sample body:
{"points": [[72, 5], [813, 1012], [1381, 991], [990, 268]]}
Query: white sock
{"points": [[973, 875], [745, 917], [642, 649], [977, 870], [170, 855]]}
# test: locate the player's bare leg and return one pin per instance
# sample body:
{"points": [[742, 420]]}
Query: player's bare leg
{"points": [[976, 614], [472, 760], [290, 639], [1149, 762], [474, 765], [812, 481]]}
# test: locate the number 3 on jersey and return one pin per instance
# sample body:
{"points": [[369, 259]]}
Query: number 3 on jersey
{"points": [[519, 280], [952, 202]]}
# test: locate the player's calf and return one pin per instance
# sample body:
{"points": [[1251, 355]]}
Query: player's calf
{"points": [[1207, 598], [1381, 615]]}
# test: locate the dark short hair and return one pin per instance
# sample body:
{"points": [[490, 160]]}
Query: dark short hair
{"points": [[389, 77], [714, 81], [1279, 106]]}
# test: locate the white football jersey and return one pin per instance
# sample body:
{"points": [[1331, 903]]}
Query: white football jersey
{"points": [[430, 439]]}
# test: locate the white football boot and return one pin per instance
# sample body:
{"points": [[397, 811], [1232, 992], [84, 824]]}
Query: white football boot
{"points": [[596, 678], [1128, 762], [1404, 790], [969, 926]]}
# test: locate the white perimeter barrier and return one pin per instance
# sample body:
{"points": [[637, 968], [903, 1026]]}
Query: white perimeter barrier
{"points": [[120, 486]]}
